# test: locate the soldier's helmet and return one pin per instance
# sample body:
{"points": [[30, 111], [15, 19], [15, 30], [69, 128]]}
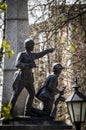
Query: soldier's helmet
{"points": [[57, 67], [28, 42]]}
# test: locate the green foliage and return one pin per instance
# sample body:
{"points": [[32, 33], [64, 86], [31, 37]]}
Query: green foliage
{"points": [[5, 111], [72, 47], [60, 41], [5, 46], [3, 6], [6, 49]]}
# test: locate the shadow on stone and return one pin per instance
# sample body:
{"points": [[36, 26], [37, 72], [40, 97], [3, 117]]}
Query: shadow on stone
{"points": [[27, 123]]}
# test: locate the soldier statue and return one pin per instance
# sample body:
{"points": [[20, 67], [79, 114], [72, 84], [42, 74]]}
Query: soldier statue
{"points": [[23, 77], [48, 91]]}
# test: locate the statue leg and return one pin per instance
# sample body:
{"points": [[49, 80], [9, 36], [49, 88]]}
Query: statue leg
{"points": [[15, 96], [29, 100], [48, 104]]}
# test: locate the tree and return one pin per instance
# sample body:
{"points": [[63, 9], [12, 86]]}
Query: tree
{"points": [[5, 45], [5, 49], [60, 24]]}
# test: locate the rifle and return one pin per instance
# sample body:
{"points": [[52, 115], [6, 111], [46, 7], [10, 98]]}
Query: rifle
{"points": [[60, 98]]}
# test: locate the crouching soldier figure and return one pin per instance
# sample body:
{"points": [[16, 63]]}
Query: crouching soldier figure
{"points": [[49, 89]]}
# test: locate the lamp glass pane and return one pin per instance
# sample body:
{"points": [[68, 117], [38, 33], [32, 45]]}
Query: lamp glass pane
{"points": [[83, 111], [76, 109], [70, 112]]}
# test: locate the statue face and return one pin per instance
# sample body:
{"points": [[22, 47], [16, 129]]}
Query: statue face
{"points": [[58, 72], [29, 47]]}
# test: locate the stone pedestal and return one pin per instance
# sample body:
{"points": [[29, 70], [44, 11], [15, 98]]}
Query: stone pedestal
{"points": [[35, 127], [27, 123], [17, 31]]}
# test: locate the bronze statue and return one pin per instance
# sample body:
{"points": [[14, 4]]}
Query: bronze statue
{"points": [[25, 62], [48, 91]]}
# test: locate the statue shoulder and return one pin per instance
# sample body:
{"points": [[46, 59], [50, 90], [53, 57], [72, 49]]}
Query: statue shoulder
{"points": [[53, 76], [22, 53]]}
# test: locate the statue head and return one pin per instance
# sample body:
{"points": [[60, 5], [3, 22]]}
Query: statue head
{"points": [[57, 68], [29, 44]]}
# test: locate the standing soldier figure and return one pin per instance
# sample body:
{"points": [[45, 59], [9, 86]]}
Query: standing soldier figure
{"points": [[24, 76]]}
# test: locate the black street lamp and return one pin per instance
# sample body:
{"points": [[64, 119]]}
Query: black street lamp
{"points": [[76, 104]]}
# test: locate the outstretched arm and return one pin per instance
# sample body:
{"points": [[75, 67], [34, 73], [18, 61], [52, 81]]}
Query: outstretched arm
{"points": [[42, 53]]}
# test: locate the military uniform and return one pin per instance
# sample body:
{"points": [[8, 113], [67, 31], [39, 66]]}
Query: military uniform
{"points": [[24, 77]]}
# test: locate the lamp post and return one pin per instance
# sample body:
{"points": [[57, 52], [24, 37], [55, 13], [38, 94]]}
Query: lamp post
{"points": [[76, 104]]}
